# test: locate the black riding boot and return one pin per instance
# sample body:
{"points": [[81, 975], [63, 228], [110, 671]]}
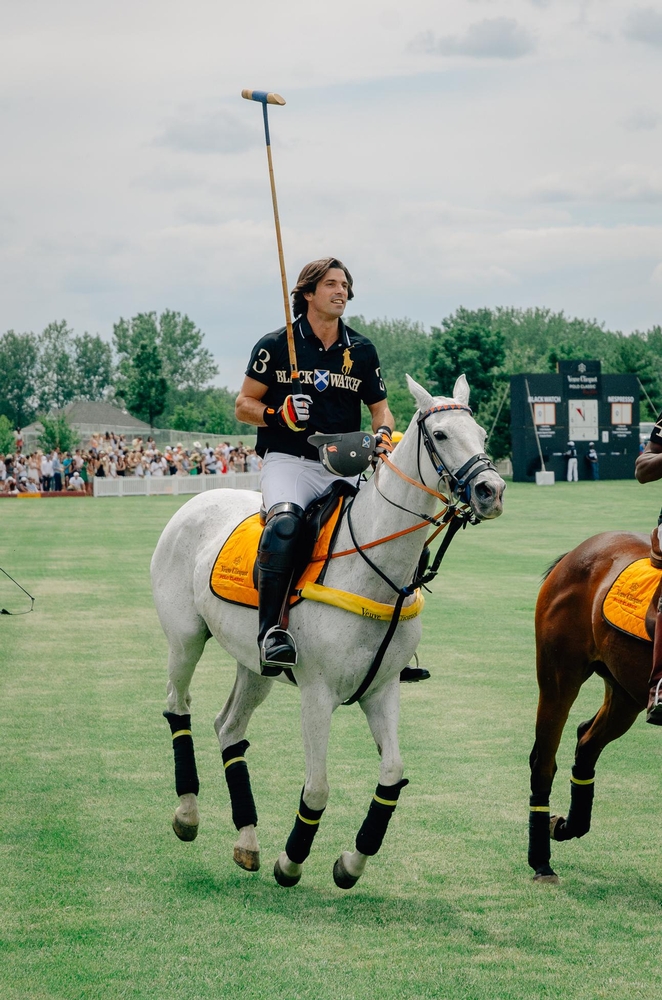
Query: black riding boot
{"points": [[275, 562]]}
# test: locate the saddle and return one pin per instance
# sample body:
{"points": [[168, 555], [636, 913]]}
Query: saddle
{"points": [[234, 573], [632, 600]]}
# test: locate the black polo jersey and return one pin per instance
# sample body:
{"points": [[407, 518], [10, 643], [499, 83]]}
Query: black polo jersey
{"points": [[337, 380], [656, 433]]}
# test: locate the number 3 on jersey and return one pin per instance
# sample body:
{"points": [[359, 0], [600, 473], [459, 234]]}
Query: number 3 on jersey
{"points": [[262, 360]]}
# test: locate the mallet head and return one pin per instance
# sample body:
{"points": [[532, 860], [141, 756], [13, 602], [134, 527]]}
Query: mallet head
{"points": [[263, 97]]}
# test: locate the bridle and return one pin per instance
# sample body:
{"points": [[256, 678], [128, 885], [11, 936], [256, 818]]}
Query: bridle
{"points": [[456, 514], [456, 495], [456, 483]]}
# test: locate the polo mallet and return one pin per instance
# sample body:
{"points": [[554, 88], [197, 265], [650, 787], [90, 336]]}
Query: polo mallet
{"points": [[264, 98]]}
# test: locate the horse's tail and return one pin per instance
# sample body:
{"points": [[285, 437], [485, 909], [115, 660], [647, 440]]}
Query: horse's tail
{"points": [[552, 566]]}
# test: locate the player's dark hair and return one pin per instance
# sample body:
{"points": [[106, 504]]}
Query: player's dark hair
{"points": [[310, 275]]}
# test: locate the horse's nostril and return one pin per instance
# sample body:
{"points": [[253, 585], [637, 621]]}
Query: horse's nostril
{"points": [[484, 491]]}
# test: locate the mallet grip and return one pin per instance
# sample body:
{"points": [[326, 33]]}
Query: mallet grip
{"points": [[263, 97]]}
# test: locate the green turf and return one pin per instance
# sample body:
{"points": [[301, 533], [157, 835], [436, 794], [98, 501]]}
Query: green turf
{"points": [[99, 899]]}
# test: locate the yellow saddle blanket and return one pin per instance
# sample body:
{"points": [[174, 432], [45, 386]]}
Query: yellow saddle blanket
{"points": [[232, 573], [629, 597]]}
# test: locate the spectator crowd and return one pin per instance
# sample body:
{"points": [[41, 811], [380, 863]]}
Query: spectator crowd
{"points": [[109, 456]]}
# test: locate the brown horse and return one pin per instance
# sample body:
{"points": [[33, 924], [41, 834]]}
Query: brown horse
{"points": [[573, 641]]}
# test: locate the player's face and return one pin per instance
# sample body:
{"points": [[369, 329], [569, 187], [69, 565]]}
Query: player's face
{"points": [[330, 296]]}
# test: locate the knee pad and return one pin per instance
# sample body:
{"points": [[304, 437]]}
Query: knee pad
{"points": [[279, 538]]}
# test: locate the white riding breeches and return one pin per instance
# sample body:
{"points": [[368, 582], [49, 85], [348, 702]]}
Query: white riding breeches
{"points": [[291, 479]]}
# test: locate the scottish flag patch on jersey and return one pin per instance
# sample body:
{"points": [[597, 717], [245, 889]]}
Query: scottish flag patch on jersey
{"points": [[321, 379]]}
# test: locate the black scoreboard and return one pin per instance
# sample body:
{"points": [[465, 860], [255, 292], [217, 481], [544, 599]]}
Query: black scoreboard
{"points": [[581, 405]]}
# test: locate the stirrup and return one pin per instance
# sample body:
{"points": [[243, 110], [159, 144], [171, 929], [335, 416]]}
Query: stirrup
{"points": [[410, 674], [282, 652], [654, 713]]}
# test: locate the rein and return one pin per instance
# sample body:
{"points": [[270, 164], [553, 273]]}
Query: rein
{"points": [[455, 516]]}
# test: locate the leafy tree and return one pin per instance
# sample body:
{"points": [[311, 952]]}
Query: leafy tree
{"points": [[18, 376], [185, 363], [211, 412], [530, 335], [146, 387], [58, 433], [403, 348], [468, 341], [6, 436], [56, 373], [93, 367]]}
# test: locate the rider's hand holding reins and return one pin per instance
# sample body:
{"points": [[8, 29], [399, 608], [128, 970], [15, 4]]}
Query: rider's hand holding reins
{"points": [[294, 413], [383, 442]]}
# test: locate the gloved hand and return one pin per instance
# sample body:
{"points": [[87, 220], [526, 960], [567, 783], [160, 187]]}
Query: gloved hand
{"points": [[294, 413], [383, 443]]}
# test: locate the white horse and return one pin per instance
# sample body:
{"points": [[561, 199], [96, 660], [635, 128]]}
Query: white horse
{"points": [[440, 455]]}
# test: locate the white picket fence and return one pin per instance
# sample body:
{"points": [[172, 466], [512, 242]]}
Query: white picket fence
{"points": [[131, 486]]}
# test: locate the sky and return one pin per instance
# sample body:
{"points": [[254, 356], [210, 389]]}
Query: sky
{"points": [[454, 153]]}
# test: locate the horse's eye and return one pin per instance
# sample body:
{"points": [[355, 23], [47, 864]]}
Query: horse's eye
{"points": [[440, 436]]}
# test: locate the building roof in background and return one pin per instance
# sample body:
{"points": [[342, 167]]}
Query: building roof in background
{"points": [[102, 415]]}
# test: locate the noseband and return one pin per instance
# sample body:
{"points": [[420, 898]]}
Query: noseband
{"points": [[458, 482]]}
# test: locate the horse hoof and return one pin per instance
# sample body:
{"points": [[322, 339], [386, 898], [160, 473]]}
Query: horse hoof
{"points": [[185, 831], [341, 876], [287, 881], [550, 878], [248, 860]]}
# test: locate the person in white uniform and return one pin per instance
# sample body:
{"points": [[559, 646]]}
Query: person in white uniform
{"points": [[571, 456]]}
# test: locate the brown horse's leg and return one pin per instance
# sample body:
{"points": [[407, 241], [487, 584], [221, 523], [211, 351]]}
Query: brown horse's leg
{"points": [[615, 717], [554, 705]]}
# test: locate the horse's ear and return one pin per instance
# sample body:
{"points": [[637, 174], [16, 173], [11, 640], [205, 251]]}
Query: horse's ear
{"points": [[461, 390], [423, 398]]}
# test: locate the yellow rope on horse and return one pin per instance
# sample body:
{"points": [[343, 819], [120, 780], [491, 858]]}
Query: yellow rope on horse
{"points": [[362, 606]]}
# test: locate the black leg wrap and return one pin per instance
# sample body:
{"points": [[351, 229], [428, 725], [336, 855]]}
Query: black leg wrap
{"points": [[582, 790], [539, 840], [186, 774], [244, 812], [303, 833], [370, 836]]}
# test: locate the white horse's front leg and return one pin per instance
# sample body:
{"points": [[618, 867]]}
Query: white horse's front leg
{"points": [[249, 691], [185, 651], [316, 710], [382, 710]]}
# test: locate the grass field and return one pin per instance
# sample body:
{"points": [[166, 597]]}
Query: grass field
{"points": [[100, 900]]}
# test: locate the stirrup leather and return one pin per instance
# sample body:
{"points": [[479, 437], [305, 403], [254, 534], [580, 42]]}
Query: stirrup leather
{"points": [[284, 653]]}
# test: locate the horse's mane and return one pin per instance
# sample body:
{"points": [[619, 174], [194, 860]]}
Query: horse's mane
{"points": [[552, 566]]}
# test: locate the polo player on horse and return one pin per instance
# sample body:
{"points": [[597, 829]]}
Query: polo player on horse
{"points": [[339, 369]]}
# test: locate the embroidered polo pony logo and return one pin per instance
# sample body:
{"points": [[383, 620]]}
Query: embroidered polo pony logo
{"points": [[347, 364]]}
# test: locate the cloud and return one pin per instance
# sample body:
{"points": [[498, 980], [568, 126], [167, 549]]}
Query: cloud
{"points": [[628, 183], [491, 38], [219, 131], [656, 276], [644, 24], [641, 120]]}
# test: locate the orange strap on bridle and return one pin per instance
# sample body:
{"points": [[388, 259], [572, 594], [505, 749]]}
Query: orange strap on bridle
{"points": [[405, 531], [413, 482]]}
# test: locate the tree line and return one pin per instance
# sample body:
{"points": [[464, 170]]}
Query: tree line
{"points": [[490, 345], [158, 367]]}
